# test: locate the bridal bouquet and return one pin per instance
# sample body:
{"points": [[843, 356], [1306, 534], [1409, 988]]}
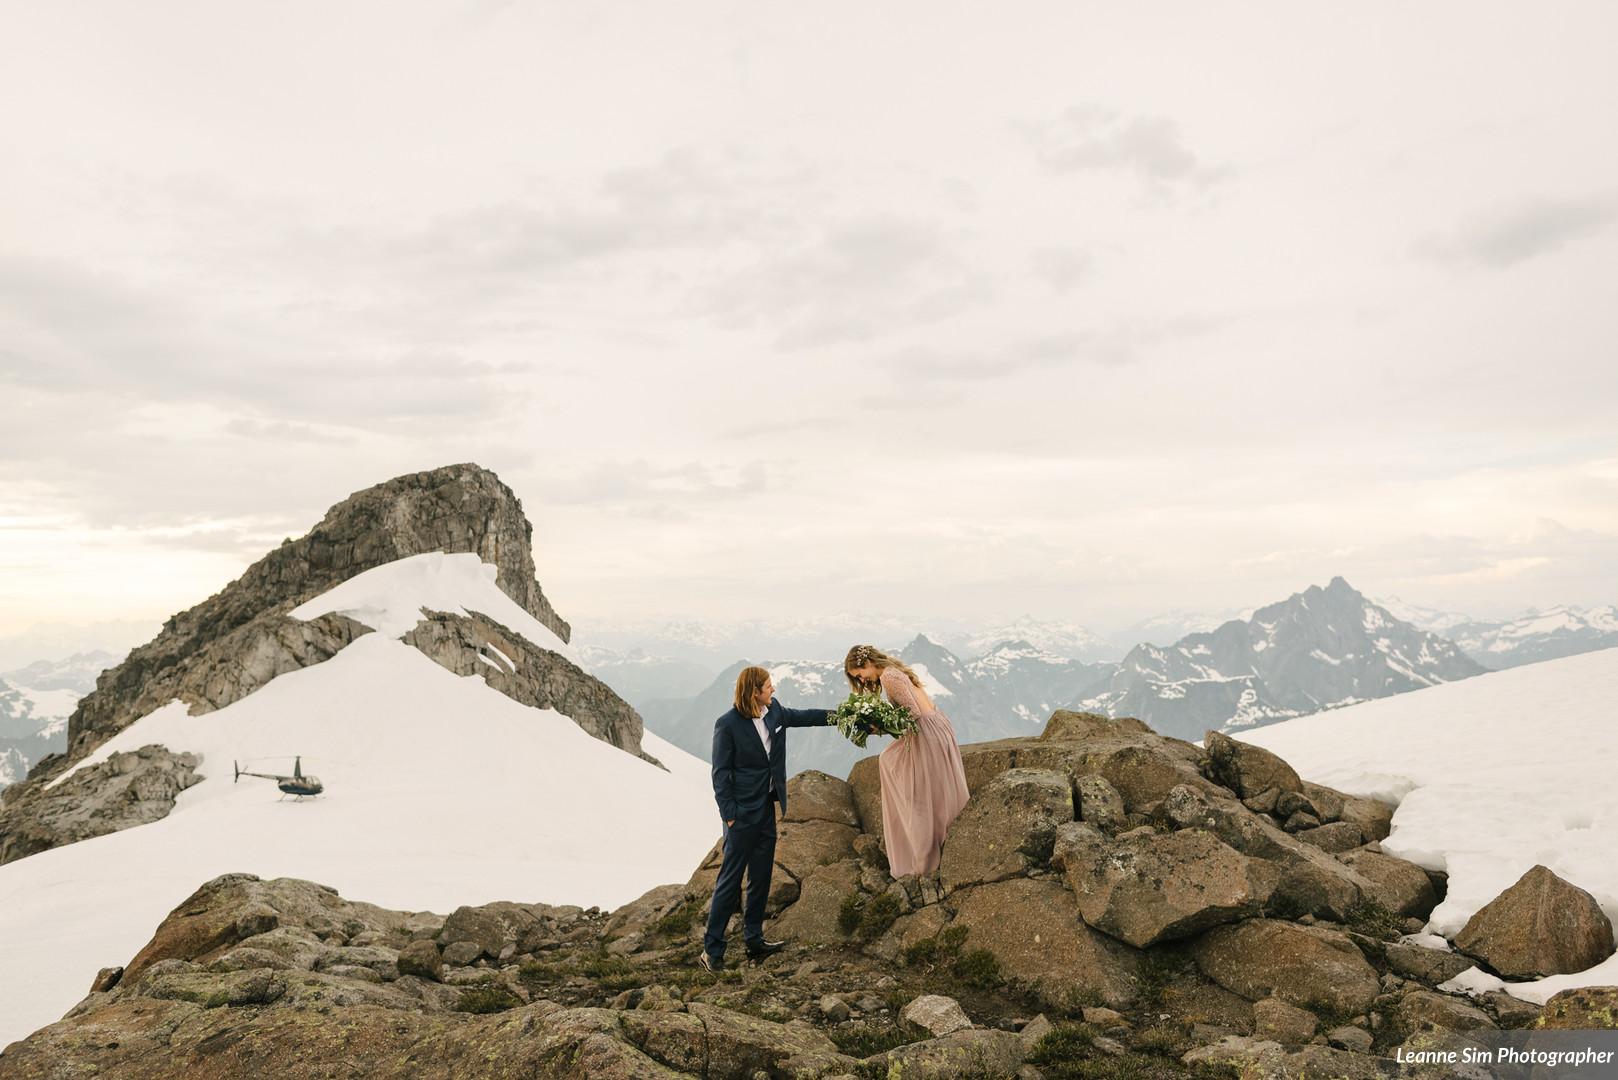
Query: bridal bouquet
{"points": [[864, 715]]}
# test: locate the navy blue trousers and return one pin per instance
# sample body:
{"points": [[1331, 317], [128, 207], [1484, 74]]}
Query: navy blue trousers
{"points": [[749, 848]]}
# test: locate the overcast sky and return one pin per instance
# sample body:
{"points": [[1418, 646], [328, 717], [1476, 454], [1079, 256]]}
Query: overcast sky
{"points": [[1087, 311]]}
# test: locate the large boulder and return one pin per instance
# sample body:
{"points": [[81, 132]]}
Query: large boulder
{"points": [[1427, 1010], [1431, 966], [802, 846], [1398, 885], [1007, 826], [968, 1053], [234, 908], [865, 788], [1375, 818], [1156, 887], [492, 928], [1308, 966], [1311, 882], [816, 796], [1246, 769], [813, 917], [1542, 925], [1582, 1008], [1283, 1022], [1098, 803], [1033, 929]]}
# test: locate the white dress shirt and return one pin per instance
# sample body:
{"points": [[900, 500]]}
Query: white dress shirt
{"points": [[763, 733], [764, 737]]}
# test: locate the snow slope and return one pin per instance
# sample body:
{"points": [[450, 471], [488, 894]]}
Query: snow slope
{"points": [[1492, 775], [439, 792]]}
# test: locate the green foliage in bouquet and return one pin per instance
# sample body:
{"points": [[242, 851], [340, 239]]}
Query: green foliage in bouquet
{"points": [[864, 715]]}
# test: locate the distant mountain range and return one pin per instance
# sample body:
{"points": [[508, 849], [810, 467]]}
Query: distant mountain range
{"points": [[35, 703], [1012, 690], [1526, 639], [1318, 649]]}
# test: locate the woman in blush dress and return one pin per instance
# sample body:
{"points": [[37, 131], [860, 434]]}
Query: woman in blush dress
{"points": [[923, 783]]}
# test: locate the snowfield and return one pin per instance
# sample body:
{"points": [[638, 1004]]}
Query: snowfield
{"points": [[439, 792], [1492, 775]]}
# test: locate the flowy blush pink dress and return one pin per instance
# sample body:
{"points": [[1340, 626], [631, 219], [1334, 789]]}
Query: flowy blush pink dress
{"points": [[923, 783]]}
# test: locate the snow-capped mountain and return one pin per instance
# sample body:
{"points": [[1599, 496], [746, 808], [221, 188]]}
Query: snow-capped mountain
{"points": [[1491, 775], [1012, 690], [1424, 618], [35, 703], [1538, 635], [465, 757], [1065, 640], [1318, 649]]}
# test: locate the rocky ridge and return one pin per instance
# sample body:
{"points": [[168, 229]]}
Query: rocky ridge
{"points": [[1111, 902], [242, 637]]}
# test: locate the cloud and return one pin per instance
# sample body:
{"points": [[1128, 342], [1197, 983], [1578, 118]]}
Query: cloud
{"points": [[77, 329], [1509, 235], [641, 489], [1093, 137], [854, 280], [1118, 345], [1062, 268]]}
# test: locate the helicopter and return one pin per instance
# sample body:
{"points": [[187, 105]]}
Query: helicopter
{"points": [[297, 784]]}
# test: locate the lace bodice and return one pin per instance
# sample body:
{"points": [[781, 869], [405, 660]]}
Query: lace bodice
{"points": [[901, 691]]}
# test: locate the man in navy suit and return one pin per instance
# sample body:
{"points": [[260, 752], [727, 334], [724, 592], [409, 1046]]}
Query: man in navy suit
{"points": [[749, 779]]}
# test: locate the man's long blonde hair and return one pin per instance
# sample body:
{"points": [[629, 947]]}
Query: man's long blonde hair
{"points": [[749, 681], [860, 655]]}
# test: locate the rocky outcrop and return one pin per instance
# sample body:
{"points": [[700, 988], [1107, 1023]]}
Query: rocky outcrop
{"points": [[459, 508], [1586, 1007], [1007, 827], [128, 788], [1146, 888], [1249, 770], [1183, 927], [1032, 927], [1542, 925], [477, 645], [242, 637], [1307, 966]]}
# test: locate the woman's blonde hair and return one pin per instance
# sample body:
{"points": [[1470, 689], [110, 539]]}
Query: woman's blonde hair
{"points": [[748, 684], [860, 655]]}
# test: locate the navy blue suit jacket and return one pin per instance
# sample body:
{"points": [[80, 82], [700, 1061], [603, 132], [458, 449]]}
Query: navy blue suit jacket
{"points": [[742, 775]]}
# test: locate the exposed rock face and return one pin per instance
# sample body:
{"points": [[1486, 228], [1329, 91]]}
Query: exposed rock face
{"points": [[1117, 909], [540, 678], [1586, 1007], [1427, 1010], [240, 638], [1147, 889], [1283, 1022], [1007, 826], [1402, 887], [1033, 928], [1432, 966], [1311, 881], [129, 788], [1305, 966], [1246, 769], [459, 508], [1541, 925]]}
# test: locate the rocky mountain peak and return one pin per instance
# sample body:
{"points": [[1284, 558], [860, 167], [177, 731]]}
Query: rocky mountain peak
{"points": [[236, 641], [1317, 649], [457, 508]]}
